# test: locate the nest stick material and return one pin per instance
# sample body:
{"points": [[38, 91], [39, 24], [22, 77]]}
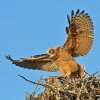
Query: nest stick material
{"points": [[60, 88]]}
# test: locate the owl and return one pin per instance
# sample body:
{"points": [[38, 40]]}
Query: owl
{"points": [[79, 42]]}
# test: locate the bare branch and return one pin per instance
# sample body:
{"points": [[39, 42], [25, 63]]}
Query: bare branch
{"points": [[39, 83]]}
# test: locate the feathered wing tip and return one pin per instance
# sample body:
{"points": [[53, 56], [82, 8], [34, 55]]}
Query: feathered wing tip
{"points": [[68, 18], [37, 62], [81, 24], [86, 14], [77, 12], [72, 14], [9, 58], [83, 16], [82, 12]]}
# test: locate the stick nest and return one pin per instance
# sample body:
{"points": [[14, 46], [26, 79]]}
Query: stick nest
{"points": [[60, 88]]}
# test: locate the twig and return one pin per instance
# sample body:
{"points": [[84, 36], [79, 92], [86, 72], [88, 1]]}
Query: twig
{"points": [[79, 94], [39, 83], [95, 73], [87, 73], [35, 90]]}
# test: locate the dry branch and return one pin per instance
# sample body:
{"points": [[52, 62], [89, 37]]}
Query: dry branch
{"points": [[60, 88]]}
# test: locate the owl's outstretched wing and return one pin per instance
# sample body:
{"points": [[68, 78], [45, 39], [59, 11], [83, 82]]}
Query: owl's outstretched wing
{"points": [[38, 62], [80, 34]]}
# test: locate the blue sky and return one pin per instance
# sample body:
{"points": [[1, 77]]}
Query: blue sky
{"points": [[29, 27]]}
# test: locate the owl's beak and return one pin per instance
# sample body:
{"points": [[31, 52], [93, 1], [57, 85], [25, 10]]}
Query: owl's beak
{"points": [[47, 52]]}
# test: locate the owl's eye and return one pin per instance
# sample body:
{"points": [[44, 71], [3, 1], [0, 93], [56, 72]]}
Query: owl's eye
{"points": [[51, 51]]}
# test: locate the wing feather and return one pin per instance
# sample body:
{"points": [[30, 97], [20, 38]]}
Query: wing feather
{"points": [[80, 34], [38, 62]]}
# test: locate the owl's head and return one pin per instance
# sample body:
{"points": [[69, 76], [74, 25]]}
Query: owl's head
{"points": [[52, 52]]}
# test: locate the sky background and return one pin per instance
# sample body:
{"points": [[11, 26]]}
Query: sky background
{"points": [[29, 27]]}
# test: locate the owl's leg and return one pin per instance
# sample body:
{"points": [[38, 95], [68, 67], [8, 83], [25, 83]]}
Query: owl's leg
{"points": [[81, 70], [65, 71], [68, 73], [62, 71]]}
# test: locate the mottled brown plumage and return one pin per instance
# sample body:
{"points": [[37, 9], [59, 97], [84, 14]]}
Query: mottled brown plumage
{"points": [[79, 42]]}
